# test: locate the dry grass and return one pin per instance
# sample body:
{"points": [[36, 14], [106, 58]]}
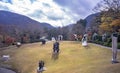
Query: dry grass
{"points": [[73, 58]]}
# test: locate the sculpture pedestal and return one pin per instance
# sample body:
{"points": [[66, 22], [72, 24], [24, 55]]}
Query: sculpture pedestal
{"points": [[114, 49], [84, 43]]}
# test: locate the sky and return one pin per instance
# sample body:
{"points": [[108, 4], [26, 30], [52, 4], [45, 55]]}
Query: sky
{"points": [[54, 12]]}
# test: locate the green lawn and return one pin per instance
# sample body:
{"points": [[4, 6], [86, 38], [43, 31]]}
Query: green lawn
{"points": [[73, 58]]}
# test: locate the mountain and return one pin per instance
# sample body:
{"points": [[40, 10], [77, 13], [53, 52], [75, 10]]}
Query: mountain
{"points": [[90, 19], [18, 26], [9, 18], [83, 25], [47, 25]]}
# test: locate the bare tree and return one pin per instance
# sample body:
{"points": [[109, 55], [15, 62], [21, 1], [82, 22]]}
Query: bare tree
{"points": [[106, 5], [109, 7]]}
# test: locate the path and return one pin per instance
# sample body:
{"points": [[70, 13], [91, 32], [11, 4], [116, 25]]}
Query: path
{"points": [[3, 70], [103, 46]]}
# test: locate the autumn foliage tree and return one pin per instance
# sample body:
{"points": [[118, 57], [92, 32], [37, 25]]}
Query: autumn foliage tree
{"points": [[105, 27], [116, 23], [110, 20]]}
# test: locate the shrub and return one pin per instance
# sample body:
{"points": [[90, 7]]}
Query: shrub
{"points": [[119, 38], [118, 45], [105, 44], [110, 45]]}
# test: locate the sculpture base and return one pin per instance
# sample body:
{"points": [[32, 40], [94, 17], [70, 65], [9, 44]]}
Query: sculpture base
{"points": [[113, 62]]}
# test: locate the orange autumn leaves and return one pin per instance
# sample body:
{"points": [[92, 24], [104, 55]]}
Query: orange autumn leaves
{"points": [[108, 26], [115, 23]]}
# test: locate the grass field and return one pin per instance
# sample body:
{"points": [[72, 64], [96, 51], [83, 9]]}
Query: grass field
{"points": [[73, 58]]}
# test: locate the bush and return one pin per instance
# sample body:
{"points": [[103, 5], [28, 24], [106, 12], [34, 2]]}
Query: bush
{"points": [[99, 38], [119, 38], [110, 44], [119, 45], [107, 43]]}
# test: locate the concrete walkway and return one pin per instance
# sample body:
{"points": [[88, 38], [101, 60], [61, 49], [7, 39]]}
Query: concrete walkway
{"points": [[4, 70], [104, 46]]}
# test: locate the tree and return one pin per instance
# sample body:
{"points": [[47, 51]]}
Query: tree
{"points": [[79, 27], [105, 27], [116, 23], [82, 22], [110, 10], [108, 5]]}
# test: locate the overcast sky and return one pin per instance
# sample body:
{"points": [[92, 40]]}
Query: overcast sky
{"points": [[55, 12]]}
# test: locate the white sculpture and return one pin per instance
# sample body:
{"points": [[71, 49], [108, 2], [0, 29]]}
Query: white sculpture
{"points": [[18, 44], [53, 39], [60, 37], [76, 38], [84, 40], [5, 57]]}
